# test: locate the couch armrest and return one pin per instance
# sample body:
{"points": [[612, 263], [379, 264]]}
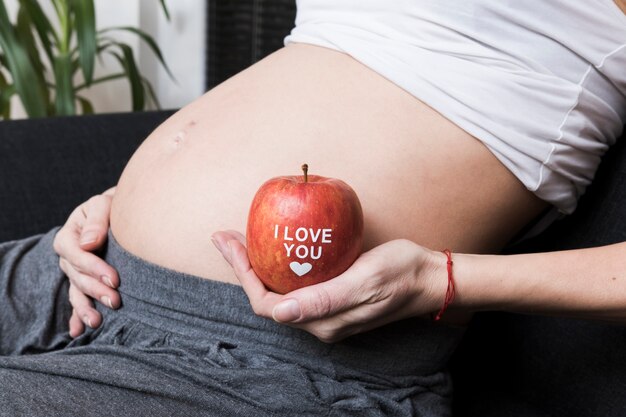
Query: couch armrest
{"points": [[48, 166]]}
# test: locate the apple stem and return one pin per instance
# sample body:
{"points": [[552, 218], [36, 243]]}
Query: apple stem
{"points": [[305, 169]]}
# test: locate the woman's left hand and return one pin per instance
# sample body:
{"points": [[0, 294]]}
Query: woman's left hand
{"points": [[396, 280]]}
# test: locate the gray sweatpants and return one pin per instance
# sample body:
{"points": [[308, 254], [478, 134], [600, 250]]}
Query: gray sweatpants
{"points": [[184, 346]]}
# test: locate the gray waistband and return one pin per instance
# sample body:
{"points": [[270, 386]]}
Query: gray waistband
{"points": [[182, 303]]}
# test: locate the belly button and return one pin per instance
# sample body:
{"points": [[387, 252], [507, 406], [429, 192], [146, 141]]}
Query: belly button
{"points": [[179, 138]]}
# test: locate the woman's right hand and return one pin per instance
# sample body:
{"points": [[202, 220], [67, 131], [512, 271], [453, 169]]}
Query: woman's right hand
{"points": [[90, 277]]}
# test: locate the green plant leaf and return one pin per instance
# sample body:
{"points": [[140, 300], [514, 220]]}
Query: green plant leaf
{"points": [[150, 92], [41, 24], [86, 106], [127, 61], [21, 68], [24, 32], [148, 40], [165, 10], [6, 92], [65, 24], [85, 21], [101, 80], [64, 100]]}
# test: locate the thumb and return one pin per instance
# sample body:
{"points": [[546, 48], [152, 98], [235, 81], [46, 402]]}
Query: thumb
{"points": [[96, 225], [315, 302]]}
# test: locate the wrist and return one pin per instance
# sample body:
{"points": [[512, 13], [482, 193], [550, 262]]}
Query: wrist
{"points": [[479, 283], [469, 278], [435, 276]]}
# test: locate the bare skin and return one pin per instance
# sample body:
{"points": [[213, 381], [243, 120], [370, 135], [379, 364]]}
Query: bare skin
{"points": [[621, 4], [418, 175]]}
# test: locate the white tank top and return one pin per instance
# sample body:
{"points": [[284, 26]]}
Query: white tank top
{"points": [[542, 83]]}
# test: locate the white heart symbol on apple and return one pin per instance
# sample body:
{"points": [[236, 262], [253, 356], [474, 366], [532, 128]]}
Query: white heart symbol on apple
{"points": [[300, 269]]}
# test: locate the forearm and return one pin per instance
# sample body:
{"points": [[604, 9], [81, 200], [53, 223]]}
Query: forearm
{"points": [[589, 283]]}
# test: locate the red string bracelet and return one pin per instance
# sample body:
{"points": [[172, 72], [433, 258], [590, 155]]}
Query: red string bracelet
{"points": [[450, 291]]}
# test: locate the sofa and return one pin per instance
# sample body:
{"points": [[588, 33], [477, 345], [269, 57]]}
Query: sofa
{"points": [[530, 365], [507, 365]]}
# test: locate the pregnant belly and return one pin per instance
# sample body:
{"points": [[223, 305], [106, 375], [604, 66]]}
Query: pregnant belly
{"points": [[418, 175]]}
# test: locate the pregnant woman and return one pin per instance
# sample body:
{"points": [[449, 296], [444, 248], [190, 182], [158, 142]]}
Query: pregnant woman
{"points": [[457, 124]]}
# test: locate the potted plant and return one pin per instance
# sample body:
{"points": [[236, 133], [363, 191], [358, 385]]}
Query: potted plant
{"points": [[40, 61]]}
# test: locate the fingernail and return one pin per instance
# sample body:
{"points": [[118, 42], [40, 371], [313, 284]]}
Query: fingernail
{"points": [[286, 311], [106, 301], [230, 249], [217, 245], [87, 320], [88, 237], [107, 281]]}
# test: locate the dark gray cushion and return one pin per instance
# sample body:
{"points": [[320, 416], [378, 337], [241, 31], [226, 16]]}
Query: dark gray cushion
{"points": [[48, 166]]}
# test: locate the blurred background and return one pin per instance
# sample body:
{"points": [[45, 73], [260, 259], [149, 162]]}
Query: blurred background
{"points": [[203, 42], [181, 41]]}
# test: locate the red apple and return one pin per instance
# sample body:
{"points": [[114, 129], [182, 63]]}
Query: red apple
{"points": [[303, 230]]}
